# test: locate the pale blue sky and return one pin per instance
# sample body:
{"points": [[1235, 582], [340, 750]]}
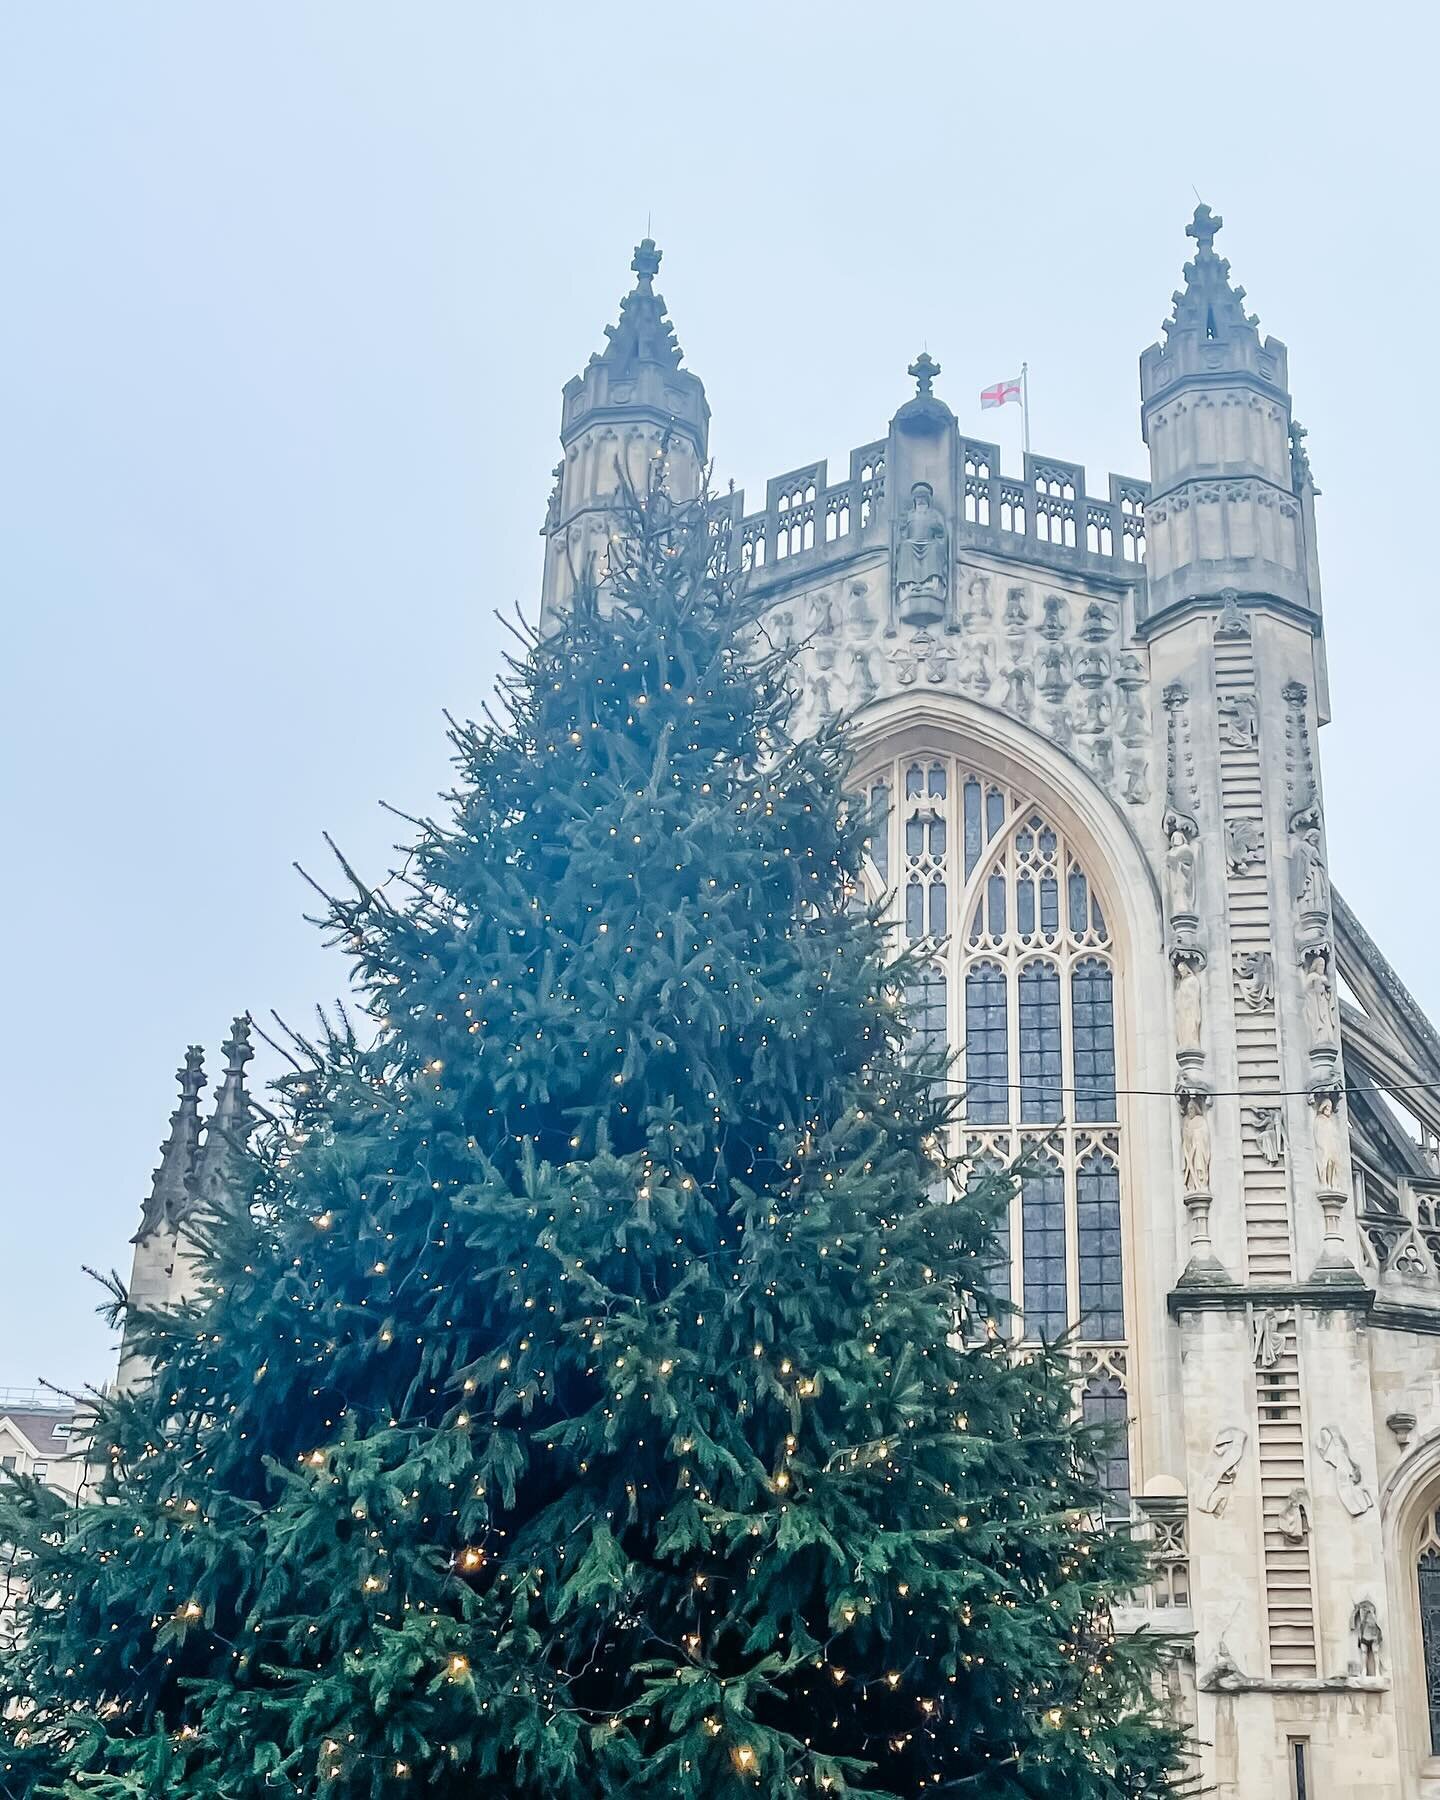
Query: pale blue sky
{"points": [[290, 292]]}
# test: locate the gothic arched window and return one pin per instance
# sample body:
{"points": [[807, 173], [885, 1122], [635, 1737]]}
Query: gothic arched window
{"points": [[989, 884], [1427, 1578]]}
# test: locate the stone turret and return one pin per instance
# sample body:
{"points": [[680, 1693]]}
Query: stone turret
{"points": [[632, 405], [1228, 510]]}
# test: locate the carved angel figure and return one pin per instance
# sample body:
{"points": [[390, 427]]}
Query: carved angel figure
{"points": [[1293, 1519], [1219, 1474], [1269, 1345], [1270, 1134], [1355, 1497], [1255, 979], [1243, 838]]}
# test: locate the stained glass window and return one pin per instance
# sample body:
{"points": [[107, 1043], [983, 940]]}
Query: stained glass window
{"points": [[1427, 1575], [1042, 1253], [1104, 1403], [1097, 1227], [1092, 1011], [1041, 1076], [987, 1045]]}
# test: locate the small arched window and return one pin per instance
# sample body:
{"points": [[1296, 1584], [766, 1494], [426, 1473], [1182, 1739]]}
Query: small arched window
{"points": [[1427, 1578]]}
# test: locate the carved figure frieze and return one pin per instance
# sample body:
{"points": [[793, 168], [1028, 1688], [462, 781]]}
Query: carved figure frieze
{"points": [[1244, 840], [974, 667], [1055, 618], [1271, 1338], [1097, 623], [1221, 1467], [1016, 618], [1293, 1519], [862, 661], [1136, 788], [1255, 979], [1054, 672], [1239, 721], [1333, 1449], [1019, 690], [976, 610], [1270, 1134]]}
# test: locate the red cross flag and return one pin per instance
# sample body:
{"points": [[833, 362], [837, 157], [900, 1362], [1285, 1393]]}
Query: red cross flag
{"points": [[1000, 395]]}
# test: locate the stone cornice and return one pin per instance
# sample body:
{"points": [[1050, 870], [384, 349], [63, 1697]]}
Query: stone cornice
{"points": [[1314, 1295]]}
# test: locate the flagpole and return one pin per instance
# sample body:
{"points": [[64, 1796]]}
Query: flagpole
{"points": [[1025, 406]]}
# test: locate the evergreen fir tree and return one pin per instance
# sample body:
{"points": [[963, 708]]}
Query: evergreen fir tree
{"points": [[587, 1400]]}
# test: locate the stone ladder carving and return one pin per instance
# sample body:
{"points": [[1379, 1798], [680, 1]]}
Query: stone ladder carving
{"points": [[1280, 1452], [1266, 1183]]}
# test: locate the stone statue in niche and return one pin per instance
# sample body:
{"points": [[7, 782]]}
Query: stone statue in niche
{"points": [[1319, 996], [976, 610], [1312, 881], [1189, 1002], [922, 560], [1239, 721], [1255, 979], [1355, 1497], [866, 686], [974, 667], [1270, 1339], [1243, 839], [1061, 728], [1017, 698], [1270, 1134], [1055, 619], [1016, 618], [1367, 1637], [1194, 1139], [1137, 784], [1181, 871], [1332, 1145], [1220, 1469], [1231, 623], [1293, 1519]]}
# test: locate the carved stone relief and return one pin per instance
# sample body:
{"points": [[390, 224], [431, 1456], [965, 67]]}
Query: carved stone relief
{"points": [[922, 560], [1244, 839], [1293, 1519], [1220, 1469], [1270, 1134], [1271, 1338], [1187, 963], [1255, 979], [1366, 1638], [1355, 1497]]}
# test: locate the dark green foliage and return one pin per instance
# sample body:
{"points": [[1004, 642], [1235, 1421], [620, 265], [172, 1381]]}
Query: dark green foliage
{"points": [[580, 1408]]}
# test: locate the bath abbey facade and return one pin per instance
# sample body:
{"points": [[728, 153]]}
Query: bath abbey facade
{"points": [[1090, 724]]}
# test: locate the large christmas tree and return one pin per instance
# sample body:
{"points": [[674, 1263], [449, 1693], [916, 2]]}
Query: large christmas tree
{"points": [[591, 1396]]}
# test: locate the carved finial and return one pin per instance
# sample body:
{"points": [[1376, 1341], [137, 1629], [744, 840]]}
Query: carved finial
{"points": [[167, 1200], [924, 369], [646, 263], [643, 334], [1203, 228]]}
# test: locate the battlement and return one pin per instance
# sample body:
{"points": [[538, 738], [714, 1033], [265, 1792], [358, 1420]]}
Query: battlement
{"points": [[1044, 516]]}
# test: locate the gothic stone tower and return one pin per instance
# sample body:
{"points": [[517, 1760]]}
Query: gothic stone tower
{"points": [[1090, 722]]}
